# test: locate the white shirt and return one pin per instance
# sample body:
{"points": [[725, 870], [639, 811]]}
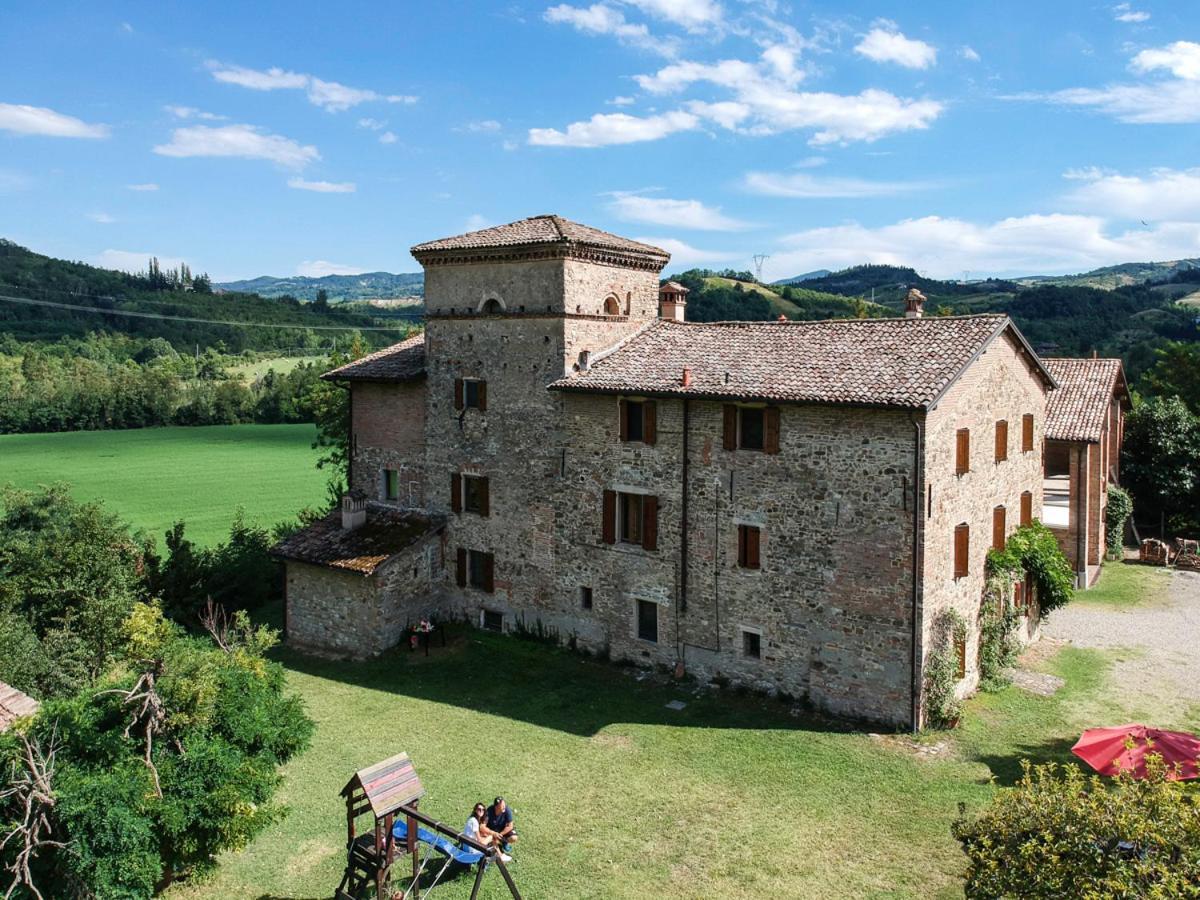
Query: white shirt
{"points": [[472, 829]]}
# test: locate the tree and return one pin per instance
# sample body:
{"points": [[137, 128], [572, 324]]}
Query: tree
{"points": [[1161, 462], [330, 405], [322, 301], [1176, 373]]}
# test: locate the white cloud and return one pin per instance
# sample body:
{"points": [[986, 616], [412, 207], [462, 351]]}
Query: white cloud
{"points": [[148, 186], [329, 95], [322, 187], [969, 53], [1123, 12], [1164, 195], [806, 186], [22, 119], [1176, 101], [693, 15], [604, 129], [621, 101], [944, 247], [685, 256], [102, 218], [372, 124], [388, 138], [633, 207], [190, 112], [885, 43], [1181, 59], [600, 18], [244, 141], [133, 260], [319, 268], [487, 126]]}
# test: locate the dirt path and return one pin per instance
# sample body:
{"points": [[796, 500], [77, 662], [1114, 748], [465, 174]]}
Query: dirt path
{"points": [[1163, 638]]}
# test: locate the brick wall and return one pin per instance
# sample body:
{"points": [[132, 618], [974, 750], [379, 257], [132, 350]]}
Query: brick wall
{"points": [[388, 432]]}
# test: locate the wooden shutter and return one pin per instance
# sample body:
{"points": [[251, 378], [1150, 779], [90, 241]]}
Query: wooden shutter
{"points": [[731, 417], [650, 421], [458, 393], [485, 497], [623, 407], [456, 492], [748, 542], [1018, 595], [962, 451], [1001, 440], [650, 523], [609, 529], [489, 572], [960, 647], [999, 527], [771, 429], [461, 567], [482, 396], [1027, 432], [1026, 508], [962, 550]]}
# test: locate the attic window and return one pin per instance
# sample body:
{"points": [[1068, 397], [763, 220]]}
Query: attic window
{"points": [[612, 306]]}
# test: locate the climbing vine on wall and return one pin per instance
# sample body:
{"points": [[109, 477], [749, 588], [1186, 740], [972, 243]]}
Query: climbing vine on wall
{"points": [[1033, 549], [942, 671]]}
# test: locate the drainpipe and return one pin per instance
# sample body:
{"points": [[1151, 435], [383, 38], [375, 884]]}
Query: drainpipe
{"points": [[917, 531], [683, 506]]}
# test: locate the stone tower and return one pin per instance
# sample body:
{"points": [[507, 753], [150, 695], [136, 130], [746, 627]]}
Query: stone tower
{"points": [[508, 310]]}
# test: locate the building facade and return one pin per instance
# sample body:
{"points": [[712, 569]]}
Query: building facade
{"points": [[787, 505]]}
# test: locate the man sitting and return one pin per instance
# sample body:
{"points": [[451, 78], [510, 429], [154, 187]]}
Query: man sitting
{"points": [[500, 824]]}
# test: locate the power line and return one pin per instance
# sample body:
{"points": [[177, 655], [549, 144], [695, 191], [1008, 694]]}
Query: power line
{"points": [[148, 315]]}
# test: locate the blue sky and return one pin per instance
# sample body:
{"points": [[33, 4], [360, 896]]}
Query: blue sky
{"points": [[307, 138]]}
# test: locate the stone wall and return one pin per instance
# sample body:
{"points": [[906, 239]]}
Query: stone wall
{"points": [[999, 385], [388, 432]]}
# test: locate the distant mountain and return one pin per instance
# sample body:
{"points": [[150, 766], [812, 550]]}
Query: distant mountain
{"points": [[807, 276], [1110, 277], [344, 288]]}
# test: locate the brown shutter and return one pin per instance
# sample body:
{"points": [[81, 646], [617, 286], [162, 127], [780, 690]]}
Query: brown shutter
{"points": [[485, 497], [731, 416], [650, 421], [1018, 595], [962, 452], [771, 429], [623, 407], [962, 550], [752, 539], [458, 393], [461, 567], [1001, 440], [609, 529], [1027, 432], [960, 646], [489, 572], [999, 527], [1026, 508], [456, 492], [650, 523], [483, 396]]}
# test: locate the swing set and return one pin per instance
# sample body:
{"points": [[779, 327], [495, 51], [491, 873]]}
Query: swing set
{"points": [[392, 792]]}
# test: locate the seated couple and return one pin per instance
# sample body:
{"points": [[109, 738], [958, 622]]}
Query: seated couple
{"points": [[492, 827]]}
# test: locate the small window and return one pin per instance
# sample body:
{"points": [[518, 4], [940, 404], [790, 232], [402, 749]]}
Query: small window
{"points": [[391, 484], [479, 570], [491, 620], [751, 644], [962, 550], [631, 518], [1001, 440], [962, 451], [612, 306], [750, 428], [749, 537], [1026, 508], [999, 527], [585, 598], [635, 419], [1027, 433], [492, 307], [647, 621], [475, 494], [471, 393]]}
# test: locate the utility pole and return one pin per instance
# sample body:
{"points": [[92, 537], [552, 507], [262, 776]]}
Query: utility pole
{"points": [[759, 259]]}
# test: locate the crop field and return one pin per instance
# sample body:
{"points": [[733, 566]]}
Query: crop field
{"points": [[156, 476]]}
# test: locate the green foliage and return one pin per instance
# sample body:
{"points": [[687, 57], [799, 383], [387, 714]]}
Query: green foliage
{"points": [[1176, 373], [999, 644], [1033, 549], [1058, 833], [942, 704], [1161, 462], [1116, 514], [331, 411]]}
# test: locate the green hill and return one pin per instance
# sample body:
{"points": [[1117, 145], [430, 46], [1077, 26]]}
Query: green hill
{"points": [[339, 288], [1123, 275]]}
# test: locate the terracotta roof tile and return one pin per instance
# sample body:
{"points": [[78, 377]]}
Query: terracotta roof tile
{"points": [[875, 362], [540, 230], [400, 362], [1077, 410], [14, 704], [362, 550]]}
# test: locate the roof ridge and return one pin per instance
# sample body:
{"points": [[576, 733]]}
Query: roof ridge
{"points": [[847, 320]]}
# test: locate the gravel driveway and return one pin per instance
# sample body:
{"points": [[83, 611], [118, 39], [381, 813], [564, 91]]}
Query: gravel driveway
{"points": [[1165, 638]]}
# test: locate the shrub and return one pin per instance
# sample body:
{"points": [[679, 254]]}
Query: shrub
{"points": [[1118, 511], [942, 704], [998, 642], [1078, 836], [1033, 549]]}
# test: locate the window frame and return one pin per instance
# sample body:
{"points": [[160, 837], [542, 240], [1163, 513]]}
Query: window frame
{"points": [[753, 636], [635, 421], [471, 386], [761, 413], [485, 614], [626, 503], [586, 597], [476, 486], [391, 485], [749, 551], [640, 603], [479, 564]]}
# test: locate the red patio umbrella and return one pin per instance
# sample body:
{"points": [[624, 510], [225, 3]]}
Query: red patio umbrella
{"points": [[1105, 750]]}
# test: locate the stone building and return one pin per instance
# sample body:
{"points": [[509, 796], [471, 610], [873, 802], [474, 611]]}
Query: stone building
{"points": [[788, 505], [1085, 425]]}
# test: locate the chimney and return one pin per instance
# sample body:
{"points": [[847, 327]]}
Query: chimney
{"points": [[354, 511], [914, 304], [686, 381], [672, 299]]}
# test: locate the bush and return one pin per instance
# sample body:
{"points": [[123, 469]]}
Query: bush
{"points": [[998, 642], [1033, 549], [1077, 836], [1117, 513], [942, 704]]}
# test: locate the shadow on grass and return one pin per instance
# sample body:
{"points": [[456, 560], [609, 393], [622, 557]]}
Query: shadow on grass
{"points": [[1006, 768], [550, 687]]}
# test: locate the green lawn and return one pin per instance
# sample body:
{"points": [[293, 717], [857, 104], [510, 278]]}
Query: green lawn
{"points": [[1127, 584], [155, 476], [250, 372], [618, 796]]}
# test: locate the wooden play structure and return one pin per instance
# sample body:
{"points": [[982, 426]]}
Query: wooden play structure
{"points": [[391, 792]]}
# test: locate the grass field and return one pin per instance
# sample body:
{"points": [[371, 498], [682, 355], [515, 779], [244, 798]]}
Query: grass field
{"points": [[250, 372], [617, 796], [156, 476], [1127, 584]]}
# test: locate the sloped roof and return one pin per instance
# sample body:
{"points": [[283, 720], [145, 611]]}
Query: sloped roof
{"points": [[13, 705], [872, 362], [540, 230], [1077, 410], [361, 550], [400, 362]]}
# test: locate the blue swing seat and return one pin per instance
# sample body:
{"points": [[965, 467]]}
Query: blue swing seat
{"points": [[459, 854]]}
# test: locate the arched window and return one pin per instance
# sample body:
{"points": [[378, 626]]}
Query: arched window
{"points": [[612, 306], [492, 307]]}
